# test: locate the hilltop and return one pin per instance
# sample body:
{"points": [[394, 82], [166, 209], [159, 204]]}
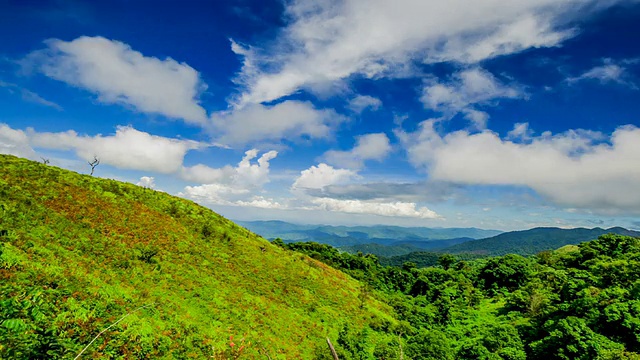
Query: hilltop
{"points": [[77, 253]]}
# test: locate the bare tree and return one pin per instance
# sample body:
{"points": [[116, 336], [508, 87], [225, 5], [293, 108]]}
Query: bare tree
{"points": [[45, 161], [93, 164]]}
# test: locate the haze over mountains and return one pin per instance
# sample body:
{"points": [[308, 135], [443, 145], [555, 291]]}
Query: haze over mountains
{"points": [[388, 241], [356, 235]]}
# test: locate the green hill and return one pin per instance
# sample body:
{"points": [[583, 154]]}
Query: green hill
{"points": [[78, 253], [529, 242]]}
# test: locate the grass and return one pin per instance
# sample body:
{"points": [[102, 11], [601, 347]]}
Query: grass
{"points": [[80, 252]]}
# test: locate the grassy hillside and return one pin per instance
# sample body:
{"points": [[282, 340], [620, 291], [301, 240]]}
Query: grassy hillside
{"points": [[529, 242], [77, 253]]}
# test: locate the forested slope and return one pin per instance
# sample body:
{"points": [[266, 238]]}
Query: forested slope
{"points": [[580, 302]]}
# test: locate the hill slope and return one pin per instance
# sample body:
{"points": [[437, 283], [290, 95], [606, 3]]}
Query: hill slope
{"points": [[532, 241], [77, 253]]}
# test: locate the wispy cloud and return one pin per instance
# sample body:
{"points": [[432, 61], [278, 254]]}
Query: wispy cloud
{"points": [[465, 90], [608, 72], [330, 40], [30, 96]]}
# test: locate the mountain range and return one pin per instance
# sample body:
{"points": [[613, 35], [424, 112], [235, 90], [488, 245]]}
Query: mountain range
{"points": [[532, 241], [339, 236]]}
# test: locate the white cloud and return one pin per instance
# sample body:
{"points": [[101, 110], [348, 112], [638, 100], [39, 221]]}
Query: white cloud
{"points": [[231, 186], [467, 88], [362, 102], [147, 182], [330, 40], [609, 72], [213, 193], [317, 177], [577, 168], [119, 74], [15, 142], [128, 148], [401, 209], [520, 131], [204, 174], [478, 118], [287, 120], [262, 203], [368, 147]]}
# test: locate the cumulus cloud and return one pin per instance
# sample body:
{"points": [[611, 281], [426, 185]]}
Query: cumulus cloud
{"points": [[326, 188], [368, 147], [362, 102], [15, 142], [467, 88], [286, 120], [577, 168], [147, 182], [128, 148], [262, 203], [213, 193], [322, 175], [119, 74], [401, 209], [331, 40], [231, 185]]}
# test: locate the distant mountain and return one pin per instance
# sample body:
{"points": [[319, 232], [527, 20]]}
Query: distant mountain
{"points": [[340, 236], [529, 242]]}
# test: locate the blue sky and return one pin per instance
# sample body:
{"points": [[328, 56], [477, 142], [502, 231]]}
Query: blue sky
{"points": [[492, 114]]}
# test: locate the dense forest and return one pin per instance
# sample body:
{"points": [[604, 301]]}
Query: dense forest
{"points": [[105, 269], [580, 302]]}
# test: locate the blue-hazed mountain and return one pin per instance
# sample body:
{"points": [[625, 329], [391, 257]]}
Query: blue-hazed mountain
{"points": [[340, 236], [529, 242]]}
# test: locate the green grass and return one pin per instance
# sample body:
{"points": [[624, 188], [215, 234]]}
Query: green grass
{"points": [[81, 252]]}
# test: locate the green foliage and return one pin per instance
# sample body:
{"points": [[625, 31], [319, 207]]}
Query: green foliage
{"points": [[81, 252], [506, 272], [578, 303]]}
